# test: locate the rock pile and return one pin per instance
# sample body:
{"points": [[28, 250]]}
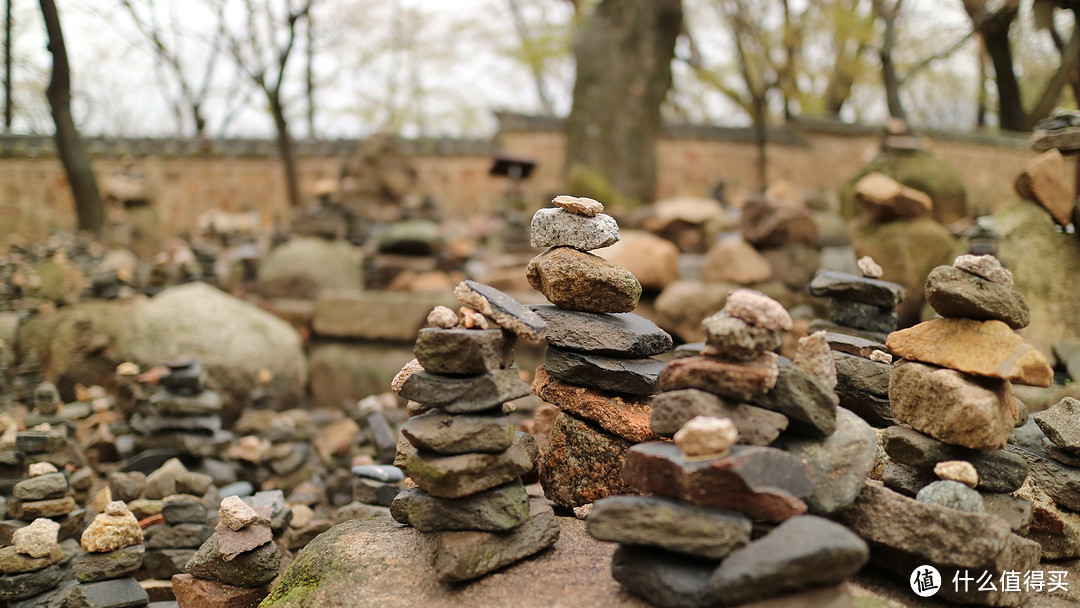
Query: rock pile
{"points": [[30, 563], [175, 518], [45, 493], [599, 369], [114, 552], [862, 311], [235, 566], [460, 449], [181, 413]]}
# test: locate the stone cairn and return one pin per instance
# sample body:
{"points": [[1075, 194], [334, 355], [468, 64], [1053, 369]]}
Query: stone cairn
{"points": [[175, 518], [114, 552], [720, 485], [459, 448], [862, 312], [180, 413], [31, 563], [952, 389], [235, 566], [598, 369]]}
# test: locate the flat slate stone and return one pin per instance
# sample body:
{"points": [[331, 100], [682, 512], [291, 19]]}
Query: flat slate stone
{"points": [[380, 472], [1060, 422], [999, 471], [854, 345], [844, 286], [862, 374], [955, 293], [442, 433], [874, 409], [756, 425], [460, 351], [663, 579], [164, 403], [92, 567], [863, 316], [116, 593], [834, 328], [839, 464], [464, 474], [51, 485], [736, 381], [554, 227], [1061, 482], [149, 425], [615, 334], [251, 569], [763, 483], [629, 376], [504, 310], [188, 510], [582, 463], [905, 479], [624, 415], [668, 524], [809, 405], [496, 510], [465, 395], [463, 556], [23, 586], [802, 552]]}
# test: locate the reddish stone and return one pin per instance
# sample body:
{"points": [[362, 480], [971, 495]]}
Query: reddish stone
{"points": [[736, 381], [194, 592]]}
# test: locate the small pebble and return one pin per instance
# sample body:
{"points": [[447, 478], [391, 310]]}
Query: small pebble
{"points": [[583, 511], [38, 469], [958, 470], [127, 368], [406, 372], [758, 310], [236, 513], [869, 268], [578, 205], [442, 316], [881, 356], [705, 437], [473, 319]]}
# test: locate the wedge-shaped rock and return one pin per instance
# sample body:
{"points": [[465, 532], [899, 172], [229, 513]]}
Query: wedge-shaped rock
{"points": [[802, 552], [998, 471], [861, 374], [616, 334], [1043, 181], [464, 474], [576, 280], [465, 395], [1060, 422], [629, 376], [463, 351], [735, 381], [1061, 482], [854, 345], [463, 556], [496, 510], [582, 463], [763, 483], [844, 286], [442, 433], [668, 524], [506, 311], [983, 348], [809, 405], [626, 417], [959, 409], [958, 294], [756, 425]]}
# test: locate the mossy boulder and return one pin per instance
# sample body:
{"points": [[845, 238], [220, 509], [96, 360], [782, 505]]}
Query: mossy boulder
{"points": [[918, 169], [1045, 264], [907, 251], [304, 267]]}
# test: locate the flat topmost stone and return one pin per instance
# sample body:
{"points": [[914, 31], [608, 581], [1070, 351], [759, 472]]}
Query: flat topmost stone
{"points": [[506, 311], [1061, 423], [844, 286], [578, 205], [618, 334], [758, 310], [985, 266], [560, 228]]}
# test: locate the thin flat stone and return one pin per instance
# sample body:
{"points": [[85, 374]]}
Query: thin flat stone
{"points": [[862, 374], [52, 485], [808, 404], [463, 351], [442, 433], [735, 381], [380, 472], [999, 471], [116, 593], [955, 293], [13, 562], [92, 567], [756, 426], [854, 345], [668, 524], [863, 316], [205, 403], [180, 536], [496, 510], [31, 510], [905, 479], [615, 334], [1061, 482], [463, 556], [179, 509], [464, 474], [553, 227], [507, 312], [629, 376], [874, 409], [662, 578], [29, 584], [232, 543], [1061, 423], [149, 425], [625, 416], [465, 395], [763, 483], [833, 328], [844, 286]]}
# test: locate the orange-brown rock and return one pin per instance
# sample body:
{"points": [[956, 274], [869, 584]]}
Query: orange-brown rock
{"points": [[625, 417], [1043, 181], [582, 463], [736, 381], [983, 348], [736, 261], [196, 592], [576, 280]]}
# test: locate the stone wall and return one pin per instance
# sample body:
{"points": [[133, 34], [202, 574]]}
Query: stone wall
{"points": [[244, 176]]}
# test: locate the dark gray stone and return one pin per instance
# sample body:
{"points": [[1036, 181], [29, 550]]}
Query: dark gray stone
{"points": [[853, 288], [148, 425], [857, 373], [871, 408], [833, 328], [999, 471], [954, 293], [1013, 509], [180, 536], [863, 316], [618, 334], [809, 405], [904, 479], [384, 473], [92, 567], [506, 311], [464, 474], [185, 376], [383, 436], [661, 578], [460, 351], [802, 552], [249, 569], [184, 511], [839, 464], [756, 426], [442, 433], [22, 586], [371, 492], [39, 442], [280, 514], [1062, 483], [1053, 451], [498, 509], [854, 345], [117, 593], [628, 376], [164, 403], [56, 598], [952, 494], [465, 395], [51, 485], [463, 556], [668, 524], [1060, 422], [164, 563]]}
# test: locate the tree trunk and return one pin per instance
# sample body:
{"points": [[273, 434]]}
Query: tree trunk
{"points": [[888, 67], [995, 33], [69, 146], [285, 149], [761, 140], [7, 66], [624, 51]]}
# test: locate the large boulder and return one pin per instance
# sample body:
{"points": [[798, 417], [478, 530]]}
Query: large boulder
{"points": [[1045, 264], [233, 339], [907, 251], [918, 169], [304, 267]]}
